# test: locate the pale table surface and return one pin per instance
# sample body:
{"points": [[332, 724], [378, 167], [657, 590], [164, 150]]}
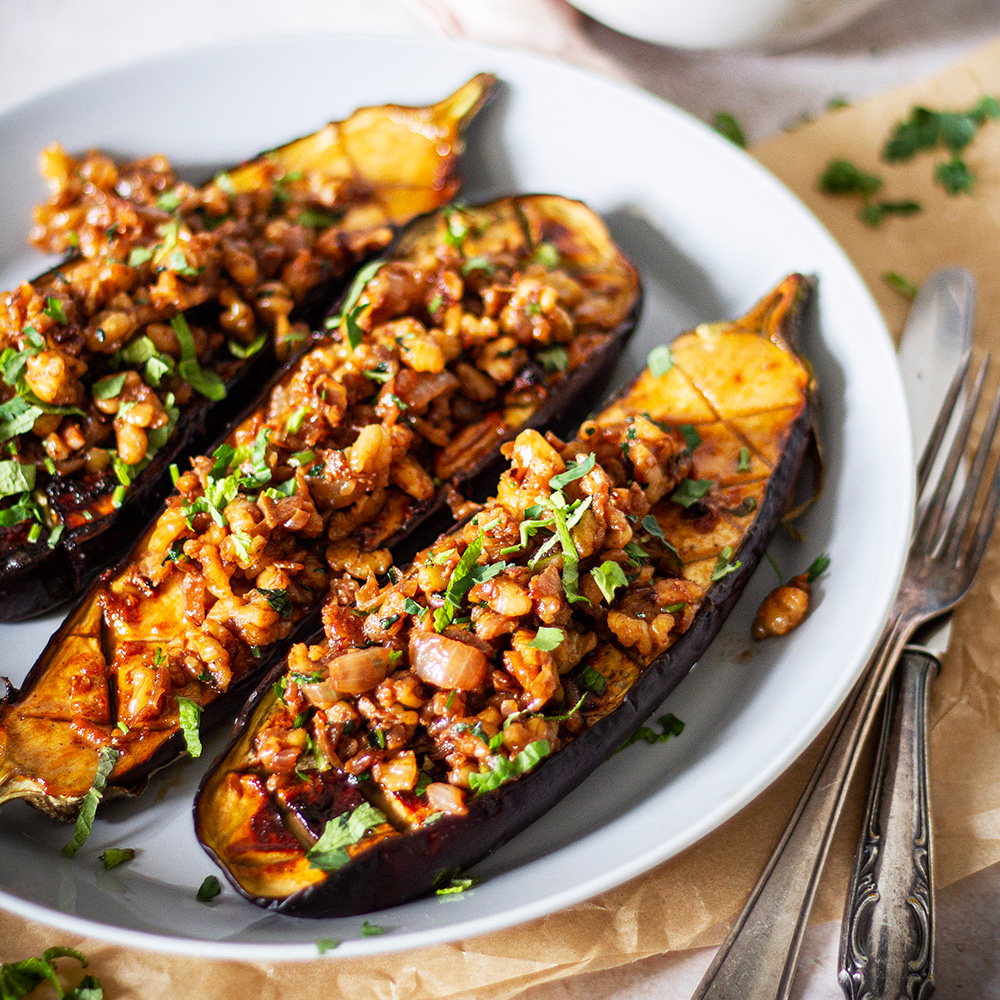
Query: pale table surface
{"points": [[44, 43]]}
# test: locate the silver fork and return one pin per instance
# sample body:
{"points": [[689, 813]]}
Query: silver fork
{"points": [[757, 959]]}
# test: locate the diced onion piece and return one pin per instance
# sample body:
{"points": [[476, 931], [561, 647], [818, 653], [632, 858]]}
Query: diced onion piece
{"points": [[398, 774], [445, 798], [358, 670], [446, 663]]}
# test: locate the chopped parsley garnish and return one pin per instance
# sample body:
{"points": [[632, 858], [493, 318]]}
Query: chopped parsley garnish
{"points": [[609, 577], [455, 227], [15, 477], [725, 564], [54, 310], [207, 383], [842, 177], [189, 719], [313, 218], [743, 461], [576, 470], [901, 284], [371, 930], [547, 638], [691, 437], [139, 256], [502, 769], [547, 254], [553, 359], [463, 578], [479, 263], [115, 856], [18, 979], [670, 726], [244, 351], [819, 565], [279, 601], [329, 853], [209, 889], [725, 123], [323, 945], [411, 607], [348, 313], [107, 757], [689, 492], [109, 387], [660, 360], [169, 201], [459, 883], [592, 680]]}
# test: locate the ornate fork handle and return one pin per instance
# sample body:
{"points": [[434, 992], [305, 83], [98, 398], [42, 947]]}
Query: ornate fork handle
{"points": [[757, 960], [886, 948]]}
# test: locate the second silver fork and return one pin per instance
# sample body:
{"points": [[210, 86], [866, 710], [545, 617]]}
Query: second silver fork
{"points": [[757, 960]]}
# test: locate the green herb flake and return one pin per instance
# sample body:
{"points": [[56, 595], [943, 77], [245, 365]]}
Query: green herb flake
{"points": [[690, 491], [478, 263], [107, 757], [725, 123], [244, 351], [411, 607], [670, 726], [209, 889], [459, 883], [547, 254], [18, 979], [819, 565], [593, 681], [139, 256], [901, 284], [371, 930], [954, 176], [54, 310], [609, 577], [189, 719], [502, 769], [109, 387], [361, 279], [323, 945], [455, 228], [725, 564], [843, 177], [553, 359], [169, 201], [15, 477], [329, 853], [547, 638], [660, 360], [207, 383], [279, 601], [576, 470], [115, 856], [743, 461], [691, 437], [313, 218]]}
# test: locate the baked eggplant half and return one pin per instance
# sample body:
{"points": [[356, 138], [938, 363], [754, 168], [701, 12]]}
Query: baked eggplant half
{"points": [[441, 713], [479, 321], [172, 315]]}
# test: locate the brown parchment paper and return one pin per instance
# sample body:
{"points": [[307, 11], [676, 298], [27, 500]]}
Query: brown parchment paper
{"points": [[691, 900]]}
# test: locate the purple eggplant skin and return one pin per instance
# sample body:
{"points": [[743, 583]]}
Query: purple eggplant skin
{"points": [[398, 869]]}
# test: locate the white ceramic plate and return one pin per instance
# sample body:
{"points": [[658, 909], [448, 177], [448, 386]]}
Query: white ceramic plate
{"points": [[711, 232]]}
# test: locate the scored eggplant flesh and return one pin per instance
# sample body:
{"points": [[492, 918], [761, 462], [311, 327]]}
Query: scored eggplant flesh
{"points": [[248, 262], [482, 320], [442, 713]]}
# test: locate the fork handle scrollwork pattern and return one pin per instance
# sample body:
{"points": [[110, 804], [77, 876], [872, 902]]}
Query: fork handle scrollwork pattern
{"points": [[886, 948]]}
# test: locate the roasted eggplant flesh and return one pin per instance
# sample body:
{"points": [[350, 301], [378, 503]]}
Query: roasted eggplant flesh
{"points": [[480, 320], [171, 314], [462, 698]]}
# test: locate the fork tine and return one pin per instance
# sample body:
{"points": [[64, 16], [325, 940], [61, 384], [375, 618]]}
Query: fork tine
{"points": [[941, 424], [933, 509], [986, 523], [962, 515]]}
